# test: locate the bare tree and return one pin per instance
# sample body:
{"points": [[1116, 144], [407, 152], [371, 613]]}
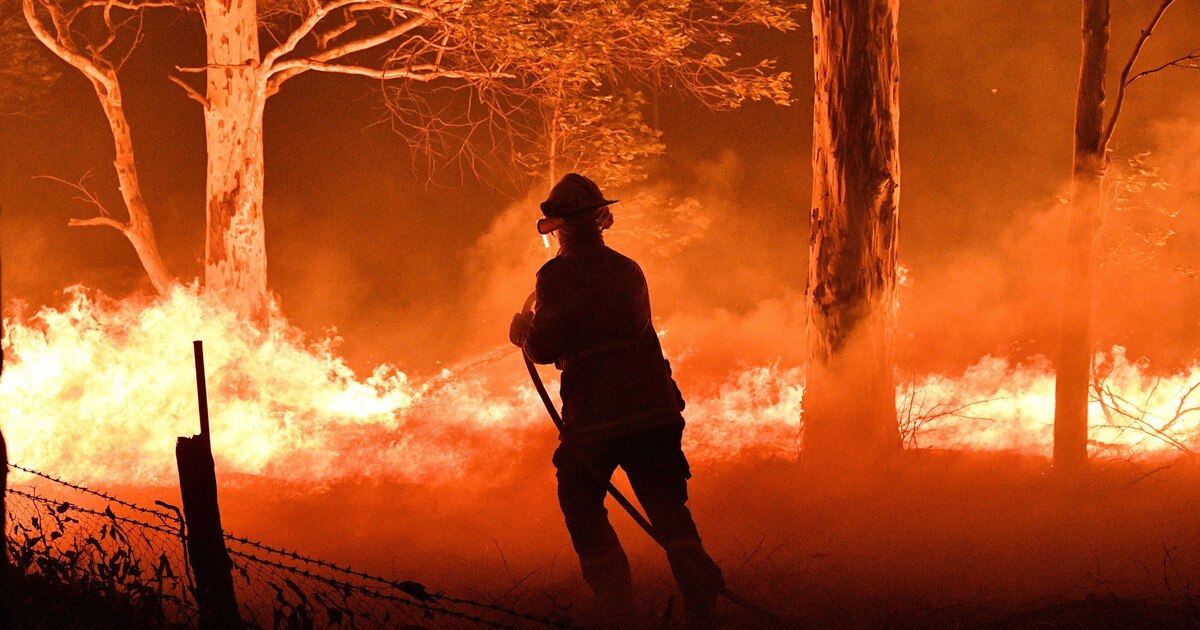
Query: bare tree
{"points": [[88, 36], [382, 40], [1093, 133], [849, 397]]}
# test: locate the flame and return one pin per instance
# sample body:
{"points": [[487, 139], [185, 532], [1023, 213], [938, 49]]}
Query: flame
{"points": [[98, 390]]}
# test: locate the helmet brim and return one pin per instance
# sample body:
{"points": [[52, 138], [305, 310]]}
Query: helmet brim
{"points": [[551, 211]]}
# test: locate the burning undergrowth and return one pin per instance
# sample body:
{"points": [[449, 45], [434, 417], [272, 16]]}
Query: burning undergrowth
{"points": [[100, 388]]}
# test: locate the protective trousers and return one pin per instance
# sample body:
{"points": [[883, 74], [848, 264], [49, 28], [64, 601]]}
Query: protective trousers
{"points": [[658, 472]]}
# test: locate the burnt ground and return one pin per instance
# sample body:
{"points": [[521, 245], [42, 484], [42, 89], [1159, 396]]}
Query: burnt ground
{"points": [[936, 539]]}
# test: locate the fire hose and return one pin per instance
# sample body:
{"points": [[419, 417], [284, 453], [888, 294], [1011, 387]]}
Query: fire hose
{"points": [[621, 499]]}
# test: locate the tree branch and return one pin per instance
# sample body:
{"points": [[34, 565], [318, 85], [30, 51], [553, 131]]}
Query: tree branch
{"points": [[134, 6], [285, 70], [1180, 62], [424, 72], [359, 45], [1124, 82], [322, 12], [87, 196], [323, 39], [99, 221], [293, 39], [60, 44], [98, 51], [189, 90]]}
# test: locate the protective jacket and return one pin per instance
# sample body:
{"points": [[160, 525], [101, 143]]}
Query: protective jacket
{"points": [[592, 320]]}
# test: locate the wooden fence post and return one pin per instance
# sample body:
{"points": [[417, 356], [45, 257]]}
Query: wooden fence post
{"points": [[205, 539]]}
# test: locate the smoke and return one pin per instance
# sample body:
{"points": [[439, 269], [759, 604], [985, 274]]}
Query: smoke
{"points": [[1000, 296], [720, 300]]}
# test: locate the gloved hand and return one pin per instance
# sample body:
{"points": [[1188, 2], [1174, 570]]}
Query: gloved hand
{"points": [[518, 330]]}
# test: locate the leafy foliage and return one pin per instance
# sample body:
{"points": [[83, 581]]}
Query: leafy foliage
{"points": [[605, 136], [665, 225], [585, 68], [1140, 224], [95, 561]]}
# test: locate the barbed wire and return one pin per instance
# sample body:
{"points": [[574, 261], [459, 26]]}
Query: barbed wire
{"points": [[134, 568], [283, 576], [96, 493], [370, 592], [412, 589], [63, 506]]}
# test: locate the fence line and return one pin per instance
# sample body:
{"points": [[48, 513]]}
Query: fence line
{"points": [[143, 566], [412, 589], [96, 493], [133, 568]]}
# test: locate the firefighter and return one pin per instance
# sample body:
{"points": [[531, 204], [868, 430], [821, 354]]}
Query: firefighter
{"points": [[621, 406]]}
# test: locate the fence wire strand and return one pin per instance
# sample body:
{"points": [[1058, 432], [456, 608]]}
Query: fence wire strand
{"points": [[140, 569], [134, 569]]}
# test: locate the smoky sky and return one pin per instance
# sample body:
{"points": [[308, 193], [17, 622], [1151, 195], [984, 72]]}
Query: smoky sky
{"points": [[359, 241]]}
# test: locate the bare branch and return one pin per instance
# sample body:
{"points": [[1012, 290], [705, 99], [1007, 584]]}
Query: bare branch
{"points": [[423, 72], [189, 90], [89, 197], [285, 70], [372, 41], [112, 33], [99, 221], [1179, 62], [1124, 82], [134, 6], [137, 39], [60, 42], [319, 14], [303, 30], [323, 39]]}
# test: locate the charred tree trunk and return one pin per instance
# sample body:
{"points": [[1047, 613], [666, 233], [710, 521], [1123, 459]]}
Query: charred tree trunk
{"points": [[849, 398], [235, 258], [1073, 371]]}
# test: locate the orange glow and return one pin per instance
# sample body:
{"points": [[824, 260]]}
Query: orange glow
{"points": [[100, 389]]}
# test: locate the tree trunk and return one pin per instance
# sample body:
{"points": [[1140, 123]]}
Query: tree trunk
{"points": [[850, 398], [235, 255], [139, 230], [1073, 379]]}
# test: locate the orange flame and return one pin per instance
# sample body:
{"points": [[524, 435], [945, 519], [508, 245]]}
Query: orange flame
{"points": [[99, 389]]}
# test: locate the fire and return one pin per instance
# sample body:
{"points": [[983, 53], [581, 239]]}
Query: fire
{"points": [[998, 405], [98, 390]]}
